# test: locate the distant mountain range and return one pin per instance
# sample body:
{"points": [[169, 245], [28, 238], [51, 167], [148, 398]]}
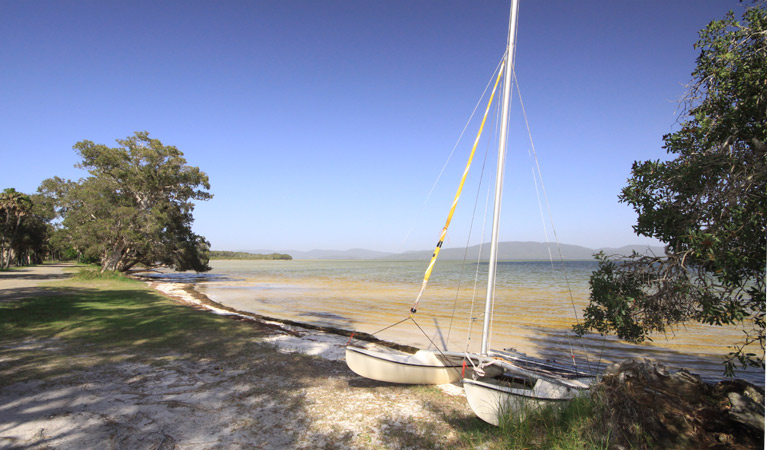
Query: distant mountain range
{"points": [[529, 251]]}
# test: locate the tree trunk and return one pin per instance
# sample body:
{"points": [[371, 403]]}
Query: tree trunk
{"points": [[10, 254], [4, 242], [112, 260], [12, 241]]}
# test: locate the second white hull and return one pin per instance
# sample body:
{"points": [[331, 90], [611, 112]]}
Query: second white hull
{"points": [[491, 399]]}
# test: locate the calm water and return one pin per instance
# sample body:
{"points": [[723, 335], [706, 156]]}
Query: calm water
{"points": [[534, 309]]}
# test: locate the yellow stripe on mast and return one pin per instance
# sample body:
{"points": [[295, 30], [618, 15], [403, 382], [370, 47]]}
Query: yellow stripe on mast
{"points": [[455, 200]]}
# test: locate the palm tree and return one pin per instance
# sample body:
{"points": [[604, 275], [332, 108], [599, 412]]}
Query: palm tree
{"points": [[14, 206]]}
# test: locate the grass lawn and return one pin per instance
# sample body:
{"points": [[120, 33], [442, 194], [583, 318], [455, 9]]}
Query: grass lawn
{"points": [[96, 321]]}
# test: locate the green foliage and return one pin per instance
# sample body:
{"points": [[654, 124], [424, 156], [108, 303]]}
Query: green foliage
{"points": [[708, 204], [222, 254], [617, 292], [90, 274], [135, 208], [24, 228], [69, 254]]}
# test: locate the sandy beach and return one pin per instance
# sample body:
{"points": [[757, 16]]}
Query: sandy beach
{"points": [[296, 393]]}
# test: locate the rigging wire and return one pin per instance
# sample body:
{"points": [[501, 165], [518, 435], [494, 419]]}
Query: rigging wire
{"points": [[458, 192], [452, 152], [446, 163], [543, 219], [485, 216], [495, 75], [551, 219], [476, 272], [465, 127], [468, 238]]}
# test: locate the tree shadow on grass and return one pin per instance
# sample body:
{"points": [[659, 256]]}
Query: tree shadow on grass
{"points": [[104, 322], [13, 294], [113, 317], [27, 274]]}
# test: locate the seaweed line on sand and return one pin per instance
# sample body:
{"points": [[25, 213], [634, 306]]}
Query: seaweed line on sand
{"points": [[187, 294]]}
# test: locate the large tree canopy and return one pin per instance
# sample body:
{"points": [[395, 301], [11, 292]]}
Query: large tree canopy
{"points": [[136, 207], [708, 204]]}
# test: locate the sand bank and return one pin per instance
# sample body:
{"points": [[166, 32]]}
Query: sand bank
{"points": [[288, 338]]}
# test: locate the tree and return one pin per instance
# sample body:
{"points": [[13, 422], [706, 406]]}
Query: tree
{"points": [[14, 208], [136, 207], [708, 205], [24, 228], [49, 202]]}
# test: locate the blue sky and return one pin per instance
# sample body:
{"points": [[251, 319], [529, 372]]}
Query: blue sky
{"points": [[324, 124]]}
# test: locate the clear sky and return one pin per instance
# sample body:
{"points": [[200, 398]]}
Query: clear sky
{"points": [[324, 124]]}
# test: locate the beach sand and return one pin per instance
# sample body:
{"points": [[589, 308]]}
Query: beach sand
{"points": [[297, 394]]}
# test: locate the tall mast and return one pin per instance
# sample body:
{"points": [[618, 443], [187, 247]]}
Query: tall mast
{"points": [[509, 68]]}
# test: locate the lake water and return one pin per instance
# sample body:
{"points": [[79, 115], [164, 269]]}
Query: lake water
{"points": [[534, 311]]}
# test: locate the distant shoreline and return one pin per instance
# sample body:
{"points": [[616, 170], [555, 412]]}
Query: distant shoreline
{"points": [[507, 251], [217, 254]]}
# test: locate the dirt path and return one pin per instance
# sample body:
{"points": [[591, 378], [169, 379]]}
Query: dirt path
{"points": [[30, 281], [276, 397]]}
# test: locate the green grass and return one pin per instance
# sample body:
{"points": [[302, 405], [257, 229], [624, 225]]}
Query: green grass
{"points": [[93, 319], [571, 426], [114, 313], [89, 272]]}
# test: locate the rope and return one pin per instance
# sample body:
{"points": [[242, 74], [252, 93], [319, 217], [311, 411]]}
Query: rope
{"points": [[384, 329], [390, 326], [379, 331], [427, 336], [476, 371], [432, 343]]}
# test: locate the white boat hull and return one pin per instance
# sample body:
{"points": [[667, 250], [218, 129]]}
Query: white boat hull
{"points": [[423, 367], [492, 399]]}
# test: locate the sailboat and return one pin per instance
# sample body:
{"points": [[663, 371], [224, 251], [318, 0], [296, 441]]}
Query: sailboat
{"points": [[425, 366], [496, 383], [526, 383]]}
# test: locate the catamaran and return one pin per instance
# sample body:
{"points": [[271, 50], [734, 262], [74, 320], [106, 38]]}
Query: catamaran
{"points": [[496, 382]]}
